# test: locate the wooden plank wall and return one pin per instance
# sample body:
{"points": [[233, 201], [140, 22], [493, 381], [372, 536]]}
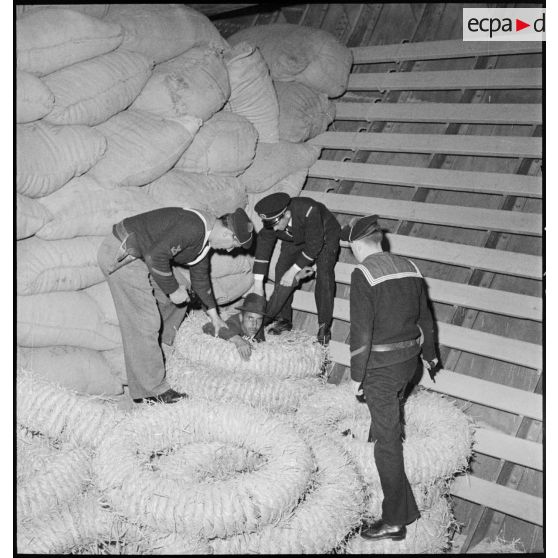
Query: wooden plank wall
{"points": [[486, 345]]}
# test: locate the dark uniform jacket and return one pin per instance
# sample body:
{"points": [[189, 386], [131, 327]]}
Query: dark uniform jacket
{"points": [[234, 327], [313, 225], [388, 305], [172, 235]]}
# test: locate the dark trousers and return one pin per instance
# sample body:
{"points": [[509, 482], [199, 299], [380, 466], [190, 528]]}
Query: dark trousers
{"points": [[324, 290], [384, 389]]}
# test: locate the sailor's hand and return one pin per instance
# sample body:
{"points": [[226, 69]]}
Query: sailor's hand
{"points": [[218, 323], [357, 390], [242, 346], [289, 276], [180, 295], [304, 273]]}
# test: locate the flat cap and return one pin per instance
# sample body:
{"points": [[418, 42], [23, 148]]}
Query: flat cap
{"points": [[361, 228], [239, 223], [273, 206]]}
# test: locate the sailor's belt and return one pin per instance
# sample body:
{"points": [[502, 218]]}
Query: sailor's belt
{"points": [[395, 346]]}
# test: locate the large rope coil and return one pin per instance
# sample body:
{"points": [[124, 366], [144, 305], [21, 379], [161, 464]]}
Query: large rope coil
{"points": [[212, 509]]}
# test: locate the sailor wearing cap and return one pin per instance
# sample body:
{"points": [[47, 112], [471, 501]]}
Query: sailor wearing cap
{"points": [[309, 233], [136, 259], [390, 324]]}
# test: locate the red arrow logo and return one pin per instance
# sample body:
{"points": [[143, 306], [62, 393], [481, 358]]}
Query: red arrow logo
{"points": [[519, 25]]}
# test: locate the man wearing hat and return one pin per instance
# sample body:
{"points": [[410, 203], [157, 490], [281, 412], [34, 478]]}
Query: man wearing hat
{"points": [[245, 327], [391, 324], [309, 233], [137, 258]]}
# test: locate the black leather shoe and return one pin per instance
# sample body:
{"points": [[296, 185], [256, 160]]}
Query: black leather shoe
{"points": [[280, 326], [324, 334], [169, 396], [381, 530]]}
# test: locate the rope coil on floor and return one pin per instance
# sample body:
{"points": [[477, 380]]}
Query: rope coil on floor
{"points": [[216, 509]]}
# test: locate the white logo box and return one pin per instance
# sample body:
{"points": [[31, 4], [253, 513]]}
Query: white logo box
{"points": [[500, 24]]}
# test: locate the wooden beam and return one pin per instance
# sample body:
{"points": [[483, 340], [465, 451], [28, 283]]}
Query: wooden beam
{"points": [[503, 446], [488, 259], [472, 113], [456, 180], [461, 338], [438, 214], [435, 50], [458, 144], [483, 392], [523, 78], [500, 498], [478, 298]]}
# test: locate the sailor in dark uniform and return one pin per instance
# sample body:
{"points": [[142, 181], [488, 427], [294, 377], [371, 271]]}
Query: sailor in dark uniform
{"points": [[309, 233], [391, 324], [137, 258]]}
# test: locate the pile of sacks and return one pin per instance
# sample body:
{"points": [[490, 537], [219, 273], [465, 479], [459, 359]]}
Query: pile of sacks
{"points": [[223, 473], [124, 108]]}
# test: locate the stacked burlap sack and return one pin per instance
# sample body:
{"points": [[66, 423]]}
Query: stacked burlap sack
{"points": [[122, 109], [263, 458]]}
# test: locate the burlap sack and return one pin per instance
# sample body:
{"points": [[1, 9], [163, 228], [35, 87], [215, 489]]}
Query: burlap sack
{"points": [[48, 40], [163, 31], [195, 83], [252, 93], [64, 318], [93, 10], [225, 144], [216, 194], [275, 161], [291, 185], [30, 216], [83, 207], [223, 264], [44, 266], [303, 113], [92, 91], [310, 56], [49, 156], [141, 147], [33, 98], [83, 370], [100, 293]]}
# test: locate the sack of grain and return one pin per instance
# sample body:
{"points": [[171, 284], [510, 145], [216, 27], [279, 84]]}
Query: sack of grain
{"points": [[275, 161], [310, 56], [163, 31], [64, 318], [252, 93], [225, 144], [93, 10], [215, 194], [83, 207], [49, 156], [33, 98], [141, 147], [82, 370], [291, 184], [44, 266], [92, 91], [303, 113], [222, 264], [30, 216], [48, 40], [195, 83]]}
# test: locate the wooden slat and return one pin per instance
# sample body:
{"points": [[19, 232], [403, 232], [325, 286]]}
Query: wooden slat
{"points": [[487, 259], [474, 113], [468, 296], [456, 180], [500, 498], [509, 448], [461, 338], [452, 216], [490, 394], [487, 146], [434, 50], [523, 78]]}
